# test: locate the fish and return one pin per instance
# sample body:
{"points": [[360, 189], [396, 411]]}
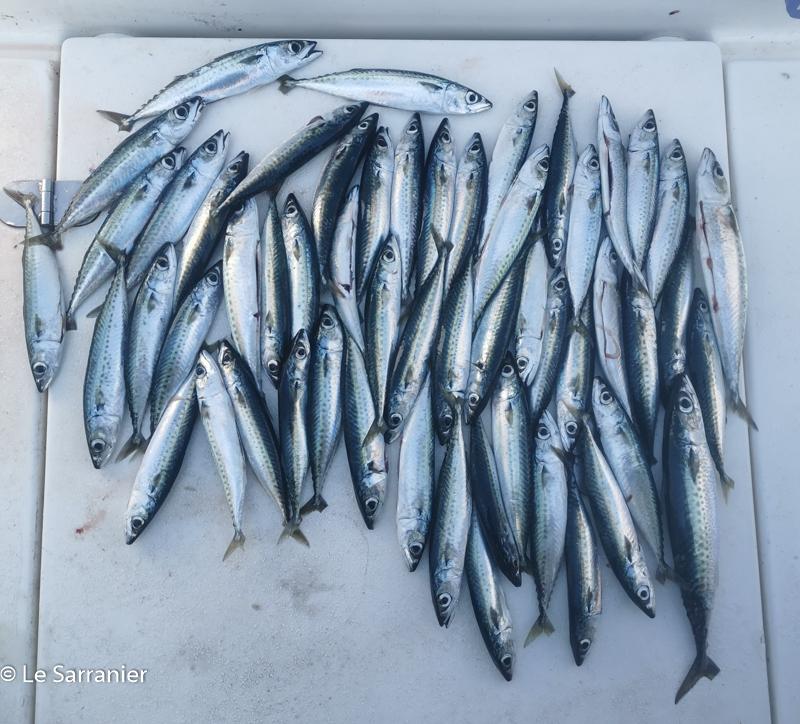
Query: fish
{"points": [[104, 382], [341, 277], [510, 151], [720, 252], [614, 187], [148, 325], [642, 180], [553, 344], [628, 459], [333, 184], [640, 340], [406, 203], [492, 506], [178, 204], [185, 337], [294, 152], [439, 193], [163, 459], [240, 282], [238, 71], [509, 232], [490, 340], [451, 521], [302, 267], [613, 523], [366, 454], [374, 206], [705, 372], [672, 215], [468, 205], [489, 601], [674, 314], [573, 393], [382, 310], [273, 296], [585, 222], [414, 349], [207, 226], [121, 228], [136, 153], [691, 509], [556, 192], [532, 313], [407, 90], [293, 421], [511, 443], [451, 362], [219, 420], [416, 479], [548, 518], [325, 383], [584, 583], [42, 302], [607, 309]]}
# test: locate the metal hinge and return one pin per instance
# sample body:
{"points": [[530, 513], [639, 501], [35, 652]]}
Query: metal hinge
{"points": [[51, 199]]}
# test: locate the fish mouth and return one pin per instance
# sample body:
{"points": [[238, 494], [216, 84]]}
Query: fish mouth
{"points": [[311, 51]]}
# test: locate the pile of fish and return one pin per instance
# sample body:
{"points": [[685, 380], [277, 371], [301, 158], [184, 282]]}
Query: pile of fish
{"points": [[532, 310]]}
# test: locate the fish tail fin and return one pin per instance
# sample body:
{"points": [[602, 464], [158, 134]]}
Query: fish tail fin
{"points": [[286, 83], [664, 572], [378, 427], [236, 542], [317, 503], [541, 626], [120, 120], [638, 278], [703, 666], [738, 406], [291, 529], [50, 238], [134, 443], [443, 246], [70, 324], [566, 88]]}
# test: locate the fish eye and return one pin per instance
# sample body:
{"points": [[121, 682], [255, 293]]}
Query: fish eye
{"points": [[542, 432], [685, 403], [39, 369], [650, 125], [136, 524], [474, 399], [363, 126], [327, 322], [718, 171], [388, 255], [472, 97], [447, 421], [211, 147], [475, 147], [239, 209], [200, 371], [300, 353], [381, 142], [168, 161], [605, 397], [273, 366], [234, 167], [213, 277], [676, 155], [182, 112], [395, 419], [703, 307], [506, 660], [351, 109], [557, 244], [413, 128], [415, 549], [522, 363], [643, 592], [507, 370], [291, 209], [371, 504], [613, 256], [594, 164], [445, 137], [530, 106], [544, 164], [572, 428], [560, 284], [295, 47], [162, 263], [98, 446], [584, 645], [227, 357], [444, 600]]}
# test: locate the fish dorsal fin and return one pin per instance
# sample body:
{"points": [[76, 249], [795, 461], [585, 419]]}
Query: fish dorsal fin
{"points": [[429, 85], [254, 59]]}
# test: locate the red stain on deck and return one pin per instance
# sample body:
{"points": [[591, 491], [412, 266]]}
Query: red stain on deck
{"points": [[94, 519]]}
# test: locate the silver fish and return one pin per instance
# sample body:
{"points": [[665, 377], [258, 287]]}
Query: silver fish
{"points": [[342, 280], [416, 479], [162, 459], [240, 277], [510, 151], [184, 339], [574, 386], [672, 213], [608, 322], [451, 521], [548, 519], [509, 232], [374, 206], [488, 601], [437, 201], [719, 249], [406, 207], [532, 313], [404, 89], [219, 421], [273, 299], [366, 454], [104, 383], [227, 75], [302, 266], [642, 184], [295, 151], [148, 325], [585, 221]]}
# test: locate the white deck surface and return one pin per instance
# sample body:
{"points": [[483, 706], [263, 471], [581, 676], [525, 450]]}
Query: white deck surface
{"points": [[342, 631]]}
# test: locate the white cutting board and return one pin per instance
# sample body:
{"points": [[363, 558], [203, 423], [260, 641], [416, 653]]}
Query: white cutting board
{"points": [[341, 631]]}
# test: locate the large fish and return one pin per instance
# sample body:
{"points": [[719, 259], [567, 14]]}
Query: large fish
{"points": [[642, 184], [302, 267]]}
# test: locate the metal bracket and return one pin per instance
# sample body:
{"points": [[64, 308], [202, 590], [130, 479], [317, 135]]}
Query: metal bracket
{"points": [[51, 199]]}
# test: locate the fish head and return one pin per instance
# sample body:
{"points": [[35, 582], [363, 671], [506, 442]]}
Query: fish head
{"points": [[644, 136], [445, 417], [209, 157], [162, 171], [474, 398], [547, 437], [712, 186], [557, 291], [607, 264], [287, 55], [372, 488], [412, 540], [509, 386], [295, 369], [397, 410], [330, 333], [141, 509], [293, 220], [581, 636], [701, 312], [639, 583], [442, 146], [587, 171], [101, 435], [230, 364], [234, 171], [381, 154], [568, 424], [412, 138], [243, 220], [684, 413], [363, 133], [347, 114], [458, 99], [503, 651], [207, 374], [45, 360], [445, 587], [525, 114], [473, 160], [164, 269], [389, 261], [209, 286], [606, 408], [533, 174], [673, 162], [607, 127], [180, 120], [271, 359]]}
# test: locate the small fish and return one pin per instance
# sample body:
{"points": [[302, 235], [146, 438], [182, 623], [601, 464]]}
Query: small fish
{"points": [[404, 89], [573, 393], [302, 266], [162, 459], [532, 313], [219, 421], [451, 522], [642, 184], [227, 75]]}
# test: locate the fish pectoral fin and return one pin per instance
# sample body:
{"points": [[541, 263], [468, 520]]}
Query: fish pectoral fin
{"points": [[628, 549]]}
